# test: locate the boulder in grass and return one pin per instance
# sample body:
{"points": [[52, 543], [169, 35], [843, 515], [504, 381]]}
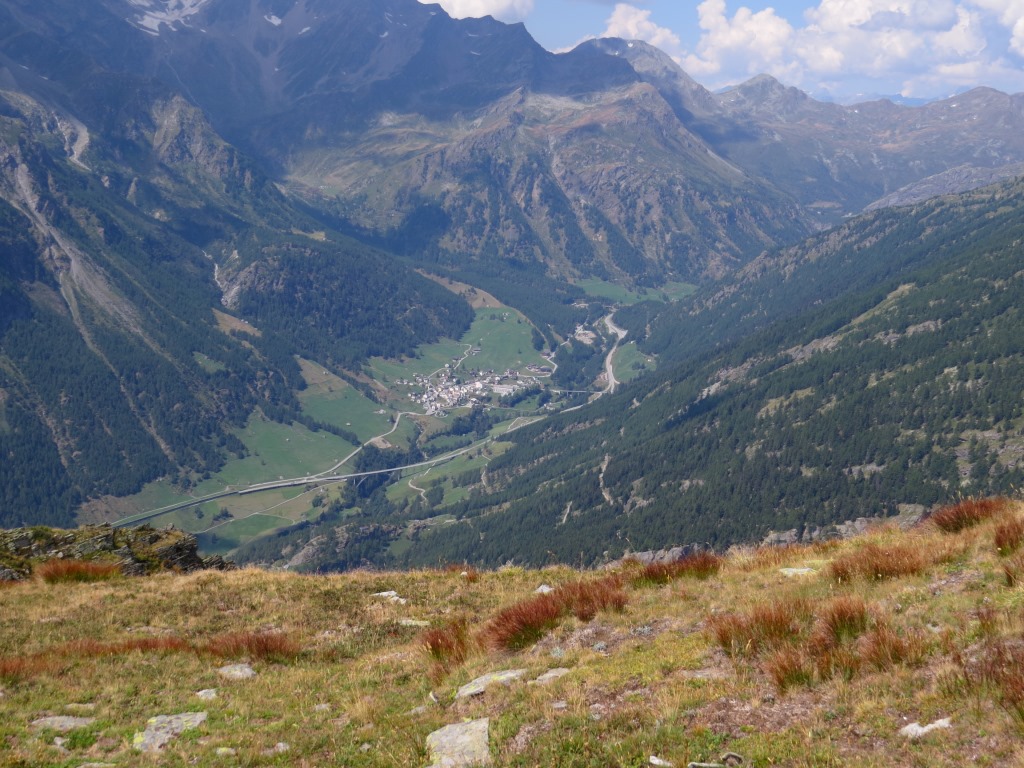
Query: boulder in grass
{"points": [[460, 745], [160, 730]]}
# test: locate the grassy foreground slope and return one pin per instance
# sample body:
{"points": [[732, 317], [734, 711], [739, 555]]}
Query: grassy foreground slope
{"points": [[821, 665]]}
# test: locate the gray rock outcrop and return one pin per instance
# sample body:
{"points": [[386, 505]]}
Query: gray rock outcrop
{"points": [[136, 551], [160, 730], [461, 745]]}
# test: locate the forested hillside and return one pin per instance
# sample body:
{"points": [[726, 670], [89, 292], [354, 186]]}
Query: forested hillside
{"points": [[898, 382], [118, 247]]}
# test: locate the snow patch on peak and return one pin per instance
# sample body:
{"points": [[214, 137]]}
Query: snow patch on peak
{"points": [[155, 13]]}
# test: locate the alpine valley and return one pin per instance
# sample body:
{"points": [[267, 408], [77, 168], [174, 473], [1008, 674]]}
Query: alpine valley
{"points": [[338, 282]]}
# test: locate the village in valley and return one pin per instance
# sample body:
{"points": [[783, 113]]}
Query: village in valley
{"points": [[450, 387]]}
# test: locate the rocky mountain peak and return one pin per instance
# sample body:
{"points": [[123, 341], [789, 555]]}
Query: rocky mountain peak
{"points": [[658, 68], [766, 94]]}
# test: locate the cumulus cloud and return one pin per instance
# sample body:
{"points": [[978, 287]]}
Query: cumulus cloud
{"points": [[504, 10], [632, 23], [914, 47], [748, 43], [1011, 16]]}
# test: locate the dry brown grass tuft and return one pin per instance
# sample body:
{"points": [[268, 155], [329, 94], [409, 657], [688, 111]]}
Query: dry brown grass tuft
{"points": [[76, 571], [883, 647], [990, 621], [525, 622], [843, 618], [788, 667], [779, 621], [468, 572], [1013, 570], [765, 627], [1002, 665], [271, 646], [841, 661], [88, 648], [447, 646], [876, 562], [700, 565], [584, 599], [15, 669], [968, 513], [1009, 536]]}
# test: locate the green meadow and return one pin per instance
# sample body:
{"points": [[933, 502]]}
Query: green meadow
{"points": [[503, 336], [629, 362], [602, 289], [333, 400]]}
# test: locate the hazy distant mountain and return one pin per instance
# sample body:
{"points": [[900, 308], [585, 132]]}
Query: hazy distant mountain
{"points": [[464, 142]]}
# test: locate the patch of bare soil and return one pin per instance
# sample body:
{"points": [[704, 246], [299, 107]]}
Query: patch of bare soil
{"points": [[522, 740], [227, 323], [477, 298], [767, 713], [595, 636]]}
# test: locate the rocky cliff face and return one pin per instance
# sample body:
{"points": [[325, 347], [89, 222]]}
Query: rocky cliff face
{"points": [[136, 551], [463, 141]]}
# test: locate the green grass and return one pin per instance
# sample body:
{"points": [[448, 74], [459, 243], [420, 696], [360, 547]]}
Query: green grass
{"points": [[476, 458], [503, 336], [677, 291], [630, 362], [621, 295], [227, 537], [153, 496], [208, 364], [332, 400], [279, 451]]}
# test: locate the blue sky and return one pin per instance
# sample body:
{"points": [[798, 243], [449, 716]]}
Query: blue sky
{"points": [[842, 48]]}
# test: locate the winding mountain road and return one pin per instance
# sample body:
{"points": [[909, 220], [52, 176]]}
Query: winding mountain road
{"points": [[609, 370]]}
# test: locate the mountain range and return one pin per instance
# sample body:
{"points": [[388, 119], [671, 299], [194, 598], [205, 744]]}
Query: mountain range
{"points": [[175, 174]]}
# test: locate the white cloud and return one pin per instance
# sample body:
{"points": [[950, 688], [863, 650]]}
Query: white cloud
{"points": [[504, 10], [749, 43], [907, 46], [1011, 16], [631, 23]]}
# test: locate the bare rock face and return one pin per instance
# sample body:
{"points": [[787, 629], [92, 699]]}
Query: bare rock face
{"points": [[909, 516], [137, 551], [660, 556]]}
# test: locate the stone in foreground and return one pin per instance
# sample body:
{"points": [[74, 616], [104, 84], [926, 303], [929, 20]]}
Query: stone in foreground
{"points": [[63, 723], [163, 728], [550, 676], [478, 686], [237, 672], [460, 745], [916, 730]]}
